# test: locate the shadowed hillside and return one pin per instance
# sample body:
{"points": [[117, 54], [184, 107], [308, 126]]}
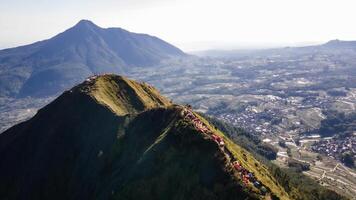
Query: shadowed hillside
{"points": [[113, 138]]}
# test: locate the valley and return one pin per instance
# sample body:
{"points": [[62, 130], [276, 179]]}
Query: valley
{"points": [[277, 98], [177, 100], [278, 95], [14, 111], [111, 137]]}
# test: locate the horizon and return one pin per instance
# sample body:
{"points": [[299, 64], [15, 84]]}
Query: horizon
{"points": [[209, 45], [190, 25], [178, 99]]}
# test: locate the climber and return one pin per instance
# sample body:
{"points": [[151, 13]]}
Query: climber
{"points": [[257, 184], [263, 190]]}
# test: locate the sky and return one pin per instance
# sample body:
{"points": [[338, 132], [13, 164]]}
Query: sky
{"points": [[189, 24]]}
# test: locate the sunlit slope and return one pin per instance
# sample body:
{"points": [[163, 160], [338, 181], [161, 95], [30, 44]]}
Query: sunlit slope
{"points": [[250, 163], [113, 138], [124, 96]]}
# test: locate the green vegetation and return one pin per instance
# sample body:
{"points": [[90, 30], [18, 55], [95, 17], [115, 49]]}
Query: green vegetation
{"points": [[298, 165], [297, 185], [301, 187], [124, 96], [112, 138], [348, 159], [267, 150], [337, 123], [172, 161], [247, 140], [282, 143], [75, 148], [249, 161]]}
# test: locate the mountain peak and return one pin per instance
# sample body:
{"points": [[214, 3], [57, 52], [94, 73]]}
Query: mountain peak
{"points": [[85, 49], [333, 42], [341, 43], [111, 137], [122, 95], [85, 22]]}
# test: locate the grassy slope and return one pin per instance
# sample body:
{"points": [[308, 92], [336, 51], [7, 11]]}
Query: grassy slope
{"points": [[124, 96], [168, 159], [250, 163], [132, 145], [297, 185], [149, 97], [55, 154], [105, 86], [75, 148]]}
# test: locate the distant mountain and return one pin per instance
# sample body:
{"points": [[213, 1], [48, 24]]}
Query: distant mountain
{"points": [[340, 44], [331, 47], [114, 138], [50, 66]]}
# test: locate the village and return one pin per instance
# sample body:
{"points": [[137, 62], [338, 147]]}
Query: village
{"points": [[321, 166], [269, 96], [336, 148]]}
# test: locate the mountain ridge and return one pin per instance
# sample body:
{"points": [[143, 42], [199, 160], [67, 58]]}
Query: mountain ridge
{"points": [[340, 43], [131, 97], [336, 44], [81, 147]]}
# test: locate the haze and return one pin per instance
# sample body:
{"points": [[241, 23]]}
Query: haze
{"points": [[189, 24]]}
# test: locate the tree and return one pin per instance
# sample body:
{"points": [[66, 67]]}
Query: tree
{"points": [[267, 150], [282, 143], [348, 160]]}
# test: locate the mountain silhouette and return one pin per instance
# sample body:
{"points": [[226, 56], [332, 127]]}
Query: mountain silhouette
{"points": [[51, 66]]}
